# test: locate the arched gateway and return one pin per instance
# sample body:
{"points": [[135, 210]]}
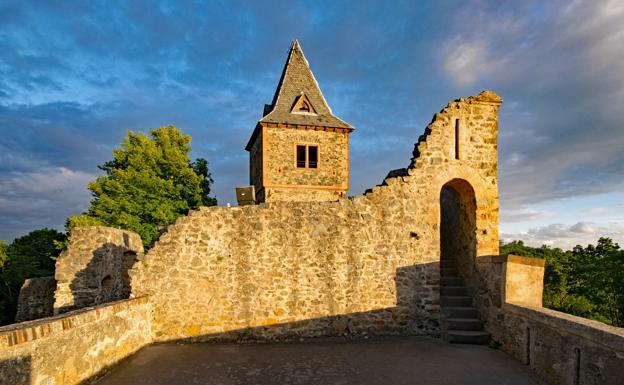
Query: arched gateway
{"points": [[458, 251], [458, 225]]}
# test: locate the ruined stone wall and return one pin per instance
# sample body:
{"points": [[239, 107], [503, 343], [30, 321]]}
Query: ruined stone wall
{"points": [[283, 180], [94, 268], [368, 264], [36, 299], [67, 349]]}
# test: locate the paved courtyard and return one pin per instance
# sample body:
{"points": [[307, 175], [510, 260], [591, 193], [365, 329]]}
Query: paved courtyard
{"points": [[395, 360]]}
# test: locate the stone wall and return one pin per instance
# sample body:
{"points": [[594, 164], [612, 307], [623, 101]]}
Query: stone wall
{"points": [[94, 268], [256, 170], [36, 299], [301, 194], [563, 349], [67, 349], [284, 181], [368, 264]]}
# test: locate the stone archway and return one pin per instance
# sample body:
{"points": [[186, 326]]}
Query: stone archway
{"points": [[458, 226]]}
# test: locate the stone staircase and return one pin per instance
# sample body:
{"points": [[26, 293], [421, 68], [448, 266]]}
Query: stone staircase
{"points": [[461, 319]]}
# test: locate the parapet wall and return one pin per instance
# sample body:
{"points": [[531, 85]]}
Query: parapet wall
{"points": [[562, 348], [524, 280], [73, 347], [368, 264]]}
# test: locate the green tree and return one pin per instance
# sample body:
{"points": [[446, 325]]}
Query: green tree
{"points": [[599, 271], [149, 183], [3, 252], [585, 281], [200, 166], [29, 256]]}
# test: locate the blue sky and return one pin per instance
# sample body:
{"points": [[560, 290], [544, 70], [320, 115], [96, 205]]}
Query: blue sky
{"points": [[75, 75]]}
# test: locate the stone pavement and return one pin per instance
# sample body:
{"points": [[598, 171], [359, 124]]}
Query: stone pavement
{"points": [[389, 360]]}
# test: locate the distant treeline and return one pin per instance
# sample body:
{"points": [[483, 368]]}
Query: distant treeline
{"points": [[585, 281]]}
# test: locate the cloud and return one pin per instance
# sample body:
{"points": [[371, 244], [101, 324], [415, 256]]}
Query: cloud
{"points": [[596, 211], [74, 76], [568, 236], [560, 70], [42, 198], [524, 214], [466, 61], [583, 228]]}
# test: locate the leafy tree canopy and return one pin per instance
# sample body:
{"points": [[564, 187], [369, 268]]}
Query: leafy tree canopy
{"points": [[3, 252], [585, 281], [149, 183]]}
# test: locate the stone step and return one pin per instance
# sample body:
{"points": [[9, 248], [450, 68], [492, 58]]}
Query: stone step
{"points": [[455, 300], [449, 272], [460, 312], [453, 290], [447, 263], [469, 324], [451, 281], [468, 337]]}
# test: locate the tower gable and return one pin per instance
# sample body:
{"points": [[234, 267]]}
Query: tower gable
{"points": [[298, 81], [303, 105]]}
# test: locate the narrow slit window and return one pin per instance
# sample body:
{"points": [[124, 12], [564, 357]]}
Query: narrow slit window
{"points": [[456, 138], [301, 156], [313, 157]]}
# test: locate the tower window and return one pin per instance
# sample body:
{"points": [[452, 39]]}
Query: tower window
{"points": [[301, 156], [305, 107], [307, 156], [312, 156]]}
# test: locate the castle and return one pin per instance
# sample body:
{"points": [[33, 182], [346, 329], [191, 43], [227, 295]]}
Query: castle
{"points": [[415, 255]]}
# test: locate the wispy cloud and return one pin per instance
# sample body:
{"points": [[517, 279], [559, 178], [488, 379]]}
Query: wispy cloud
{"points": [[524, 215], [596, 211], [41, 198], [568, 236], [559, 65]]}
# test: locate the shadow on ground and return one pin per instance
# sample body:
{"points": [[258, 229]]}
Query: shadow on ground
{"points": [[381, 360]]}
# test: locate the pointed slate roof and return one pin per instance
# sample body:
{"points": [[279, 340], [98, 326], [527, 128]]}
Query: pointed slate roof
{"points": [[297, 80]]}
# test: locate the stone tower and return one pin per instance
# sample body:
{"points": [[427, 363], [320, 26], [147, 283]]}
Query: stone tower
{"points": [[299, 151]]}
